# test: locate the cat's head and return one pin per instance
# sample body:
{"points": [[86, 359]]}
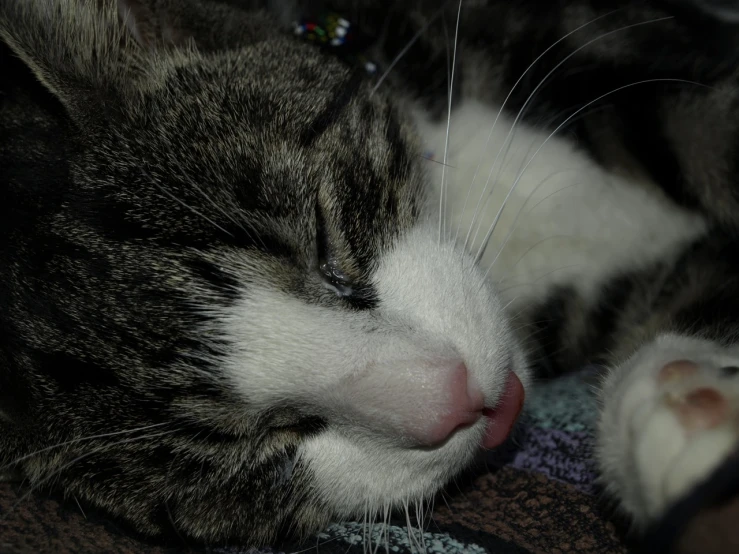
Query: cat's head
{"points": [[260, 323]]}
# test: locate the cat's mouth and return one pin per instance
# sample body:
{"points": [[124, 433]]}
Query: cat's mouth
{"points": [[503, 416]]}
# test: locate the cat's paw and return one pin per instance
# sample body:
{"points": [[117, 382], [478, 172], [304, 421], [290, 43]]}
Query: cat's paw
{"points": [[670, 416]]}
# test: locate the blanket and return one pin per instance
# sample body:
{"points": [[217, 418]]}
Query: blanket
{"points": [[536, 494]]}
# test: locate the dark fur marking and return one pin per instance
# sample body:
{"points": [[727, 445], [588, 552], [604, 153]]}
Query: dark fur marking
{"points": [[69, 372], [548, 327], [331, 113], [219, 280], [605, 316]]}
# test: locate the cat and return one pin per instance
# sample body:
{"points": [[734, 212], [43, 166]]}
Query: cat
{"points": [[239, 300]]}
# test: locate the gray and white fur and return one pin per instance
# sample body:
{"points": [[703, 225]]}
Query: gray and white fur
{"points": [[229, 307]]}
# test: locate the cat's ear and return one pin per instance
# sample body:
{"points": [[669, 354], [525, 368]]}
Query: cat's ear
{"points": [[77, 49], [90, 52]]}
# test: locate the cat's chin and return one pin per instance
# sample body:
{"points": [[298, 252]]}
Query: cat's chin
{"points": [[357, 475]]}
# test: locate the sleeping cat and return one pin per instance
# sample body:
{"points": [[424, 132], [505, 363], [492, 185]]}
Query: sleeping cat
{"points": [[248, 288]]}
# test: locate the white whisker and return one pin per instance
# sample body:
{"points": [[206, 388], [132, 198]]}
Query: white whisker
{"points": [[490, 194], [405, 49], [193, 210], [504, 308], [81, 439], [421, 524], [556, 130], [386, 523], [509, 137], [228, 216], [373, 519], [57, 471], [535, 281], [442, 197], [548, 196], [528, 250], [408, 526], [502, 107], [514, 225], [520, 210], [80, 507]]}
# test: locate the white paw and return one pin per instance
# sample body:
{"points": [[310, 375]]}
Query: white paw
{"points": [[670, 416]]}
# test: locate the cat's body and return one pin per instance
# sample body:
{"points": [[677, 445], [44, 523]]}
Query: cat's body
{"points": [[227, 296]]}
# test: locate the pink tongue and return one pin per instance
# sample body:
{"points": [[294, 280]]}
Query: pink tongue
{"points": [[503, 416]]}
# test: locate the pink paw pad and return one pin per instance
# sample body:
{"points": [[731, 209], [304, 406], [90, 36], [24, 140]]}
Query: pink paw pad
{"points": [[676, 370], [697, 408], [702, 409]]}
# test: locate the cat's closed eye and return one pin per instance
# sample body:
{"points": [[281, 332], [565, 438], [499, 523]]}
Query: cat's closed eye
{"points": [[329, 266], [335, 279]]}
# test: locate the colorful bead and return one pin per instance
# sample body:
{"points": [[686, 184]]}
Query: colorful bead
{"points": [[336, 32]]}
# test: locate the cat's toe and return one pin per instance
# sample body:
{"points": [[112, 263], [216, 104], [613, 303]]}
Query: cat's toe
{"points": [[666, 425]]}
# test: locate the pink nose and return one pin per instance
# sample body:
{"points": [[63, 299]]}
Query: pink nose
{"points": [[424, 401], [466, 405]]}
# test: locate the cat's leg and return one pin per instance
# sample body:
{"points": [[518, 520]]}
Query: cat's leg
{"points": [[670, 417], [667, 335]]}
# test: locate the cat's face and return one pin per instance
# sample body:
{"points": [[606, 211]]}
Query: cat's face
{"points": [[257, 269]]}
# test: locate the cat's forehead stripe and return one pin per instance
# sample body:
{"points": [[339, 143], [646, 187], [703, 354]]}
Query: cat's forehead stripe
{"points": [[343, 95]]}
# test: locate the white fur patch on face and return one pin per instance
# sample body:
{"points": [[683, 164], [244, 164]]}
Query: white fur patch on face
{"points": [[373, 375], [434, 296]]}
